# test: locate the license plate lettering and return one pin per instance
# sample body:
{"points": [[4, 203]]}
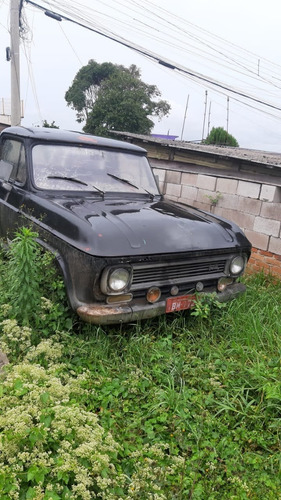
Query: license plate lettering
{"points": [[180, 303]]}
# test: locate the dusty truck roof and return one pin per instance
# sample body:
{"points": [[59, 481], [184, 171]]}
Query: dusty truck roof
{"points": [[252, 155], [69, 136]]}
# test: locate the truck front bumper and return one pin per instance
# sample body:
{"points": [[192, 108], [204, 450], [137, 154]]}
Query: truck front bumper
{"points": [[104, 314]]}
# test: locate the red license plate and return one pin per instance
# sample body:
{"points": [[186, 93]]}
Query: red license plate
{"points": [[174, 304]]}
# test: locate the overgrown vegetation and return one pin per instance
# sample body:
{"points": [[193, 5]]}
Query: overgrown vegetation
{"points": [[220, 137], [181, 407]]}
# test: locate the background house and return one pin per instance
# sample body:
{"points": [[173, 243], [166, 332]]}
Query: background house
{"points": [[241, 185]]}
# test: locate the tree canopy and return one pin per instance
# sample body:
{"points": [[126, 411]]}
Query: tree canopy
{"points": [[46, 124], [221, 137], [111, 97]]}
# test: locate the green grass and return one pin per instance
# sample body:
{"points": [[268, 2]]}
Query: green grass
{"points": [[194, 404], [211, 389]]}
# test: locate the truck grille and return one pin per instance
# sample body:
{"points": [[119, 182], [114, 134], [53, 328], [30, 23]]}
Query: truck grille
{"points": [[166, 273]]}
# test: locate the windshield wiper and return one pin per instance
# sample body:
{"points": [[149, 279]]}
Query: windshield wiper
{"points": [[122, 180], [65, 178], [73, 179], [131, 184], [152, 196]]}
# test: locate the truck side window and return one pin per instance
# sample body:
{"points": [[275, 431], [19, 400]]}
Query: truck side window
{"points": [[13, 152]]}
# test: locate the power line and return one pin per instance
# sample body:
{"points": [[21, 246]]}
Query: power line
{"points": [[70, 44], [32, 81], [161, 60], [180, 26], [211, 52]]}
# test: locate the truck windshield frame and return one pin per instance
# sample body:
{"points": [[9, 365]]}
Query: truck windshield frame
{"points": [[54, 165]]}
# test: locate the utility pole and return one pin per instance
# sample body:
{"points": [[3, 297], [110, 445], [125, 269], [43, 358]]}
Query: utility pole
{"points": [[209, 118], [184, 118], [227, 113], [15, 62], [205, 111]]}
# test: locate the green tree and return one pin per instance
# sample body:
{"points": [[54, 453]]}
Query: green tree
{"points": [[111, 97], [45, 124], [82, 93], [221, 137]]}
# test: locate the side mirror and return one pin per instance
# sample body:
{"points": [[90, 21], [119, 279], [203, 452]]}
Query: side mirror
{"points": [[5, 170]]}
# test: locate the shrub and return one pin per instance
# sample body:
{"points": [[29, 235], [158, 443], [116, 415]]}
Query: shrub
{"points": [[23, 274], [50, 447], [221, 137], [31, 276], [53, 447]]}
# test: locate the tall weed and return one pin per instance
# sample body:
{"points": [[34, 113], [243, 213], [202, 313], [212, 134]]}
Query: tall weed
{"points": [[33, 290]]}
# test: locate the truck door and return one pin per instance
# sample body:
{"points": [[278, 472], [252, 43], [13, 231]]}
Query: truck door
{"points": [[12, 185]]}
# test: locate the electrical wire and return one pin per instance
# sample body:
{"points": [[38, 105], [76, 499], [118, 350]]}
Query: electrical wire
{"points": [[68, 7], [3, 26], [70, 44], [202, 78], [32, 81], [165, 19], [182, 39], [76, 8]]}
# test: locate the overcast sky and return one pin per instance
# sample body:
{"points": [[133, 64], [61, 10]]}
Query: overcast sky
{"points": [[236, 45]]}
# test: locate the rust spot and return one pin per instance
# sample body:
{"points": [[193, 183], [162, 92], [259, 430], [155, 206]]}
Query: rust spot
{"points": [[103, 314], [98, 310], [87, 139]]}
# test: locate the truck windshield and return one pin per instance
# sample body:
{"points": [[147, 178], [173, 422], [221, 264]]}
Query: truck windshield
{"points": [[73, 168]]}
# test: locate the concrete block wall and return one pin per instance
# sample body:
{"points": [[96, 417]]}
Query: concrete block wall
{"points": [[255, 207]]}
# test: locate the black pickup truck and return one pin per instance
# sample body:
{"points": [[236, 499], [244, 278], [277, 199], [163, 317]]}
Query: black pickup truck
{"points": [[125, 253]]}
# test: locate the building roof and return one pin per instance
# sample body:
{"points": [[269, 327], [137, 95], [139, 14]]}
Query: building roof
{"points": [[166, 137], [266, 158]]}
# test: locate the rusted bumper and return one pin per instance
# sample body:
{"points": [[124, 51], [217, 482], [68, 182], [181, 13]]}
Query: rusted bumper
{"points": [[103, 314], [108, 315]]}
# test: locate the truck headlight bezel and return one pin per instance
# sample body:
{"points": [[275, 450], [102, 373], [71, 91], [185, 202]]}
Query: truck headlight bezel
{"points": [[116, 280], [237, 265]]}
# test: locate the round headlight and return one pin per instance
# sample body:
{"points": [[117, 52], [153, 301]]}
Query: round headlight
{"points": [[118, 279], [237, 265]]}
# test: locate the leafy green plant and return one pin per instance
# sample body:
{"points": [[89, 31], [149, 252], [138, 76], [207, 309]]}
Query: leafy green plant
{"points": [[14, 340], [53, 447], [205, 304], [221, 137], [214, 199], [33, 290], [23, 275], [50, 447]]}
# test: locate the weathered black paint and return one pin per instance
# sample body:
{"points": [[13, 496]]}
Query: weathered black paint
{"points": [[89, 231], [135, 226]]}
